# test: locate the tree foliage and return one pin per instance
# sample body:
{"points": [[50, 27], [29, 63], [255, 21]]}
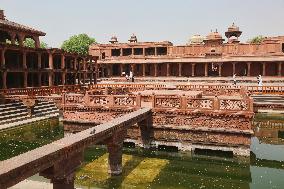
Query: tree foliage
{"points": [[257, 39], [78, 44], [31, 43]]}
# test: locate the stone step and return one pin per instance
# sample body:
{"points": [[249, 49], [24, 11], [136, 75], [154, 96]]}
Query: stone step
{"points": [[10, 104], [13, 120], [11, 107], [26, 120], [10, 116], [13, 111]]}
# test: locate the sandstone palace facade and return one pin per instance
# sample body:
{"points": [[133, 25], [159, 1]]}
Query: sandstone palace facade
{"points": [[23, 67], [209, 56]]}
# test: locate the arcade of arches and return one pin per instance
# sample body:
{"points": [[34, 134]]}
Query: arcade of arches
{"points": [[225, 69]]}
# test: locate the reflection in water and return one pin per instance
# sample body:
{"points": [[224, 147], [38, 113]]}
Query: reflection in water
{"points": [[160, 170]]}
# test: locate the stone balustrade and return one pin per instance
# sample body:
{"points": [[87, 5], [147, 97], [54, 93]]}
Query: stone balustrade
{"points": [[162, 102], [210, 90]]}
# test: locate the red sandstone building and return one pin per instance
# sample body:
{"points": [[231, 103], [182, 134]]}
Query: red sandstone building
{"points": [[33, 67], [210, 56]]}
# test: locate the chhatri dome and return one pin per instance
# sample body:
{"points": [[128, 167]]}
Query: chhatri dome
{"points": [[195, 40], [113, 39], [213, 38], [133, 39]]}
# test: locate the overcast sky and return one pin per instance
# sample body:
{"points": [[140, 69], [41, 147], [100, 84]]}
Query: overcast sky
{"points": [[150, 20]]}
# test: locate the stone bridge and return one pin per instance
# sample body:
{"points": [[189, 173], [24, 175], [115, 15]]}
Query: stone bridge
{"points": [[57, 161]]}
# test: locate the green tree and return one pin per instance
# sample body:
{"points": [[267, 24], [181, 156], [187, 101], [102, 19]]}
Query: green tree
{"points": [[257, 39], [78, 44], [31, 43]]}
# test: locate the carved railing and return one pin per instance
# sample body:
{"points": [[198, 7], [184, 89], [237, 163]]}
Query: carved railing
{"points": [[214, 103], [42, 91], [101, 100], [266, 89]]}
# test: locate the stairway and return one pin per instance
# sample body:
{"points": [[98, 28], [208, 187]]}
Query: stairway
{"points": [[267, 102], [16, 113]]}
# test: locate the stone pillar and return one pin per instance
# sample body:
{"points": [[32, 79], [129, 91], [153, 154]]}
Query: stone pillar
{"points": [[64, 183], [4, 80], [50, 79], [62, 173], [133, 68], [192, 70], [50, 60], [24, 59], [144, 54], [63, 78], [234, 67], [114, 146], [110, 70], [155, 69], [84, 64], [220, 69], [79, 78], [75, 63], [3, 58], [21, 38], [179, 69], [279, 68], [62, 61], [121, 52], [145, 132], [13, 38], [248, 71], [168, 69], [39, 79], [115, 158], [37, 42], [155, 51], [121, 69], [206, 69], [143, 70], [39, 60], [263, 69], [25, 79]]}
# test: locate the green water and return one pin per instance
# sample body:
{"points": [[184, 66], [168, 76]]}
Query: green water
{"points": [[22, 139], [160, 169]]}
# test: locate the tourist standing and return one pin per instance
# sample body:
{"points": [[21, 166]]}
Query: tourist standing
{"points": [[234, 79], [259, 81], [131, 76]]}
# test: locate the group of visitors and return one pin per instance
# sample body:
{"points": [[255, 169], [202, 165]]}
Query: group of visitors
{"points": [[259, 80], [129, 77]]}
